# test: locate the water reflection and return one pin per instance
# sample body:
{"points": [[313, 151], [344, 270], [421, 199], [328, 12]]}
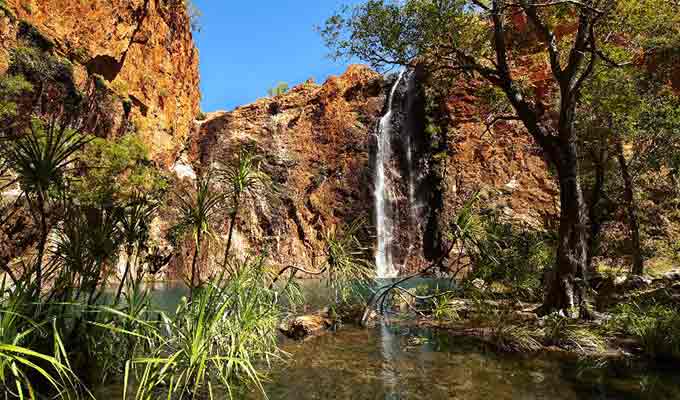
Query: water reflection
{"points": [[390, 375], [406, 362]]}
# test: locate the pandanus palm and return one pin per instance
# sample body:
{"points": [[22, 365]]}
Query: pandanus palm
{"points": [[87, 240], [26, 371], [347, 261], [134, 227], [40, 159], [244, 180], [197, 207]]}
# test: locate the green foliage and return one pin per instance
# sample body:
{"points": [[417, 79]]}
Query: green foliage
{"points": [[11, 89], [279, 89], [42, 156], [34, 37], [214, 342], [42, 68], [384, 33], [655, 326], [119, 333], [514, 257], [346, 262], [443, 309], [201, 116], [197, 206], [117, 168], [243, 178], [514, 338], [572, 335], [25, 370], [87, 241]]}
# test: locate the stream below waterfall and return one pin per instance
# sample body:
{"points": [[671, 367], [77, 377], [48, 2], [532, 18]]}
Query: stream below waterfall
{"points": [[399, 361]]}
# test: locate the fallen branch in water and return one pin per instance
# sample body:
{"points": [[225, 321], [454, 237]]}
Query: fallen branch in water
{"points": [[383, 291], [295, 271]]}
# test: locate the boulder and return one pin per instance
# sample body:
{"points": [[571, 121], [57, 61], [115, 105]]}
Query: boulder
{"points": [[305, 326], [479, 284], [673, 276], [636, 282]]}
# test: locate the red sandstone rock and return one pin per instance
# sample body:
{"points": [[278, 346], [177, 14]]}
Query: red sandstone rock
{"points": [[144, 48]]}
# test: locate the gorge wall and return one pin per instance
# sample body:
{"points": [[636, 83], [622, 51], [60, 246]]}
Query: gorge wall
{"points": [[137, 57], [318, 142], [142, 50]]}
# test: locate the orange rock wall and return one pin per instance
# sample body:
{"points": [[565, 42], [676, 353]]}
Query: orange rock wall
{"points": [[315, 142], [144, 48]]}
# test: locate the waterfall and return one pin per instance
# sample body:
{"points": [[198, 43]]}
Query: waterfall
{"points": [[384, 191]]}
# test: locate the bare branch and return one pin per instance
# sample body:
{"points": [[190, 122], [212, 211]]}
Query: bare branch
{"points": [[548, 36], [493, 119]]}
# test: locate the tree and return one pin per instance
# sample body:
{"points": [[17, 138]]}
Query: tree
{"points": [[482, 39], [279, 89], [634, 118], [40, 158], [134, 227], [244, 180], [197, 206]]}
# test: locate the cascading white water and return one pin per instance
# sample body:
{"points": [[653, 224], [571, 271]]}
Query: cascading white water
{"points": [[384, 192]]}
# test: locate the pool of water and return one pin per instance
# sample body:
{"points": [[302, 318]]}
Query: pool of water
{"points": [[397, 361]]}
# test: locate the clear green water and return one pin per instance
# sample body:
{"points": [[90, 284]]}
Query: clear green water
{"points": [[402, 362], [411, 363]]}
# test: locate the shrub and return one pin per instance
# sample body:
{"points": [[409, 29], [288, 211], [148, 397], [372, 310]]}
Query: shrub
{"points": [[39, 66], [514, 338], [215, 340], [443, 309], [571, 335], [117, 168], [31, 34], [279, 89], [513, 257], [656, 327], [11, 88]]}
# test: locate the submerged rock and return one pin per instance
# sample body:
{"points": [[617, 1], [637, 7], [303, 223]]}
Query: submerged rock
{"points": [[305, 326]]}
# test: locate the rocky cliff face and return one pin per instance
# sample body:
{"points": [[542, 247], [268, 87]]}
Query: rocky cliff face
{"points": [[314, 143], [318, 144], [142, 49]]}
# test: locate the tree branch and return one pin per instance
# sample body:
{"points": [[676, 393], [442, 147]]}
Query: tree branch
{"points": [[548, 36]]}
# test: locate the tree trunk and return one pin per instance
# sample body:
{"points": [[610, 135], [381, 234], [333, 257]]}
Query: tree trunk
{"points": [[232, 222], [629, 198], [567, 283], [41, 243], [125, 274], [600, 160], [193, 264]]}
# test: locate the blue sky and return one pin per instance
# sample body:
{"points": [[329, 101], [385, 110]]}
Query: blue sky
{"points": [[247, 46]]}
